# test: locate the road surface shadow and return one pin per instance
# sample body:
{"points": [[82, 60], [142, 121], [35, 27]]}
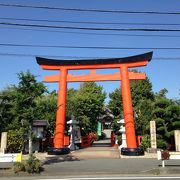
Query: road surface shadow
{"points": [[170, 165], [60, 158]]}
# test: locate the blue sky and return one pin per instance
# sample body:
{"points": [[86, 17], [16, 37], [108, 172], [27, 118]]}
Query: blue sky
{"points": [[162, 73]]}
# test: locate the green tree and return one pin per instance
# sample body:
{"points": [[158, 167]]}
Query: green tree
{"points": [[19, 103], [7, 112], [142, 100], [46, 107], [143, 116], [89, 104], [115, 103], [167, 116], [15, 140], [71, 103], [28, 90]]}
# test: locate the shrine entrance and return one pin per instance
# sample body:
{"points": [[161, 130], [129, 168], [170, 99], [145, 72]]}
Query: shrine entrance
{"points": [[123, 64]]}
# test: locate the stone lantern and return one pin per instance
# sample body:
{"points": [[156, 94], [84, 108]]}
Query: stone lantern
{"points": [[122, 130]]}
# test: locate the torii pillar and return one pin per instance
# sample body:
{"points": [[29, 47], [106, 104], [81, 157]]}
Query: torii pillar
{"points": [[61, 111], [127, 107], [124, 75]]}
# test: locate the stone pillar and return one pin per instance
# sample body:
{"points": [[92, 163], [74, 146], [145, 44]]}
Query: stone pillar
{"points": [[177, 139], [153, 134], [3, 142]]}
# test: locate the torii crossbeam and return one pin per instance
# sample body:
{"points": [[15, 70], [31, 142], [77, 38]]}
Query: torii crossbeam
{"points": [[124, 76]]}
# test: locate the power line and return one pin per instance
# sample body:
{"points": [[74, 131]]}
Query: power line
{"points": [[88, 22], [93, 33], [86, 47], [89, 10], [77, 57], [90, 28], [34, 55]]}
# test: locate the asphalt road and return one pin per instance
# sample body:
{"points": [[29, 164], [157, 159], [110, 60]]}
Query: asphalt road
{"points": [[98, 177], [101, 166], [120, 178], [109, 166], [103, 169], [5, 165]]}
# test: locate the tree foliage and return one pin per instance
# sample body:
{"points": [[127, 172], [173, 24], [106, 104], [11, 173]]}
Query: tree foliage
{"points": [[142, 98], [7, 108], [18, 102], [46, 108], [28, 90], [71, 103], [166, 113], [15, 140], [89, 103], [115, 103]]}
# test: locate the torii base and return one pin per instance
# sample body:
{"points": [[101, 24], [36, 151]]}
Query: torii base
{"points": [[132, 151], [58, 151]]}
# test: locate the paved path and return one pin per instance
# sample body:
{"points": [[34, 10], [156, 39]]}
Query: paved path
{"points": [[99, 149], [97, 152]]}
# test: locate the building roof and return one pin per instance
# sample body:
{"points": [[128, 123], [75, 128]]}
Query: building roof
{"points": [[40, 123], [107, 117], [130, 59]]}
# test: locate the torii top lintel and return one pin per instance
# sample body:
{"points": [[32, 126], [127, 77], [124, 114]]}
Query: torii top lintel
{"points": [[131, 61]]}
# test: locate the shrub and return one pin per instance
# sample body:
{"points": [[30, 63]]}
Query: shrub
{"points": [[18, 166], [146, 142], [16, 140], [33, 165], [119, 139], [162, 144]]}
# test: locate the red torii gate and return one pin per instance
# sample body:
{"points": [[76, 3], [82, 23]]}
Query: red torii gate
{"points": [[124, 75]]}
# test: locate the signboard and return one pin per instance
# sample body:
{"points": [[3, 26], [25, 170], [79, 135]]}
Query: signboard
{"points": [[99, 129]]}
